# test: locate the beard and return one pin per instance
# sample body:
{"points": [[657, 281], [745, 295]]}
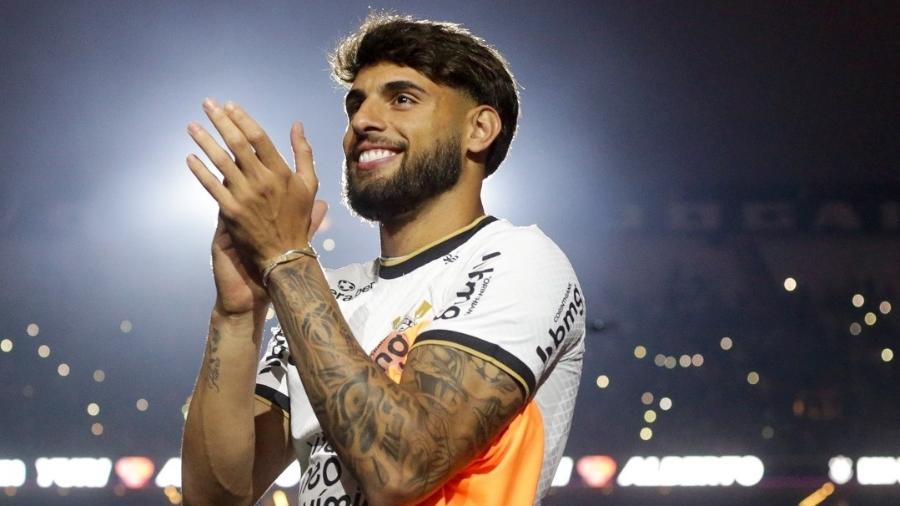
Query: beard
{"points": [[418, 179]]}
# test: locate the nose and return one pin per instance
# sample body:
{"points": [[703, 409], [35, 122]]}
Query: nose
{"points": [[368, 118]]}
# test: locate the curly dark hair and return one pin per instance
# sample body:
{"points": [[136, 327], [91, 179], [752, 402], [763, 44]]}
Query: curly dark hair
{"points": [[447, 54]]}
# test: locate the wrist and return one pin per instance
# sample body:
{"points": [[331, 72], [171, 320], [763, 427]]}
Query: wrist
{"points": [[268, 266], [220, 315]]}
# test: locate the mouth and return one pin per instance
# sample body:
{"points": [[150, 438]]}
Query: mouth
{"points": [[376, 157]]}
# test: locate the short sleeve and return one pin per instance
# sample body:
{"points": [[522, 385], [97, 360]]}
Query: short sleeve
{"points": [[515, 303], [271, 375]]}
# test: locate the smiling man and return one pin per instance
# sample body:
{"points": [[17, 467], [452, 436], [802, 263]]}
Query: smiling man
{"points": [[444, 372]]}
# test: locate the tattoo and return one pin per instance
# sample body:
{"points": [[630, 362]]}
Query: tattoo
{"points": [[448, 406], [212, 369]]}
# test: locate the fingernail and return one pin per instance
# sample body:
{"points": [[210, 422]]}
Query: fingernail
{"points": [[209, 104], [193, 127], [229, 106]]}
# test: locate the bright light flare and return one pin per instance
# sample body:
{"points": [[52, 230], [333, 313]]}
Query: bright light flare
{"points": [[818, 496], [12, 473], [753, 377], [790, 284], [692, 471], [279, 498], [563, 472], [840, 469], [597, 471], [74, 472], [135, 472], [170, 474], [870, 319], [603, 381]]}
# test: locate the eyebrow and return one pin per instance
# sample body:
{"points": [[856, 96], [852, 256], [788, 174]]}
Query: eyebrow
{"points": [[395, 86], [355, 96]]}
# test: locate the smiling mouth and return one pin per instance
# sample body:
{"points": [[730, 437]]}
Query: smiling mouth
{"points": [[373, 158]]}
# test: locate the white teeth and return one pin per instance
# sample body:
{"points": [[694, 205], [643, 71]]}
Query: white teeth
{"points": [[374, 154]]}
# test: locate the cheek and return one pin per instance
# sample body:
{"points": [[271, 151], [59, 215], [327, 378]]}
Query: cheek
{"points": [[347, 141]]}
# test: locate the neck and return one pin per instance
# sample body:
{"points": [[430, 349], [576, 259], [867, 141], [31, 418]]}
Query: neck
{"points": [[437, 218]]}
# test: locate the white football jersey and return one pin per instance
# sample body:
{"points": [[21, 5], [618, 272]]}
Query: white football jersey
{"points": [[504, 293]]}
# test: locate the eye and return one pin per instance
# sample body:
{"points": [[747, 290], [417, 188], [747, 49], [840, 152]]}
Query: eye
{"points": [[403, 99]]}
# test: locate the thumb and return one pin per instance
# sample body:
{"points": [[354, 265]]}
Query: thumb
{"points": [[317, 216]]}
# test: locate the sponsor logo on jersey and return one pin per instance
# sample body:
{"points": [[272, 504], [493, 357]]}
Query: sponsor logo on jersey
{"points": [[322, 479], [391, 352], [565, 316], [347, 291], [450, 258], [479, 275]]}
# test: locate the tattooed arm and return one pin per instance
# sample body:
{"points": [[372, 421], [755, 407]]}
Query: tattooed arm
{"points": [[400, 441]]}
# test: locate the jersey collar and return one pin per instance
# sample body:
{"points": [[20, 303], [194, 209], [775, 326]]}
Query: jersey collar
{"points": [[390, 268]]}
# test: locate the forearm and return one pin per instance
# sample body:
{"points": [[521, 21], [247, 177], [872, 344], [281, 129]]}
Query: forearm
{"points": [[219, 435], [382, 431]]}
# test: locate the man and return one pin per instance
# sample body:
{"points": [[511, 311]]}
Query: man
{"points": [[443, 372]]}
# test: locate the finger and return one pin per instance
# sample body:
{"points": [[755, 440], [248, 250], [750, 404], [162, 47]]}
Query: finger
{"points": [[317, 216], [212, 184], [303, 155], [237, 143], [218, 156], [265, 150]]}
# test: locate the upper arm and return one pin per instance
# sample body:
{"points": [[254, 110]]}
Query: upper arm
{"points": [[468, 401], [273, 451]]}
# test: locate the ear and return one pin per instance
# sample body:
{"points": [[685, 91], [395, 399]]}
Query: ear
{"points": [[483, 124]]}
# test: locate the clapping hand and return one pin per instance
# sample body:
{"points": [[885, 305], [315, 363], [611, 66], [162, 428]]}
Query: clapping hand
{"points": [[265, 208]]}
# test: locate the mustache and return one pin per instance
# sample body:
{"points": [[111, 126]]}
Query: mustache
{"points": [[380, 140]]}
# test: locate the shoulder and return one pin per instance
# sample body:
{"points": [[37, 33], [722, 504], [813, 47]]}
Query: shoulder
{"points": [[350, 280], [355, 271], [525, 248]]}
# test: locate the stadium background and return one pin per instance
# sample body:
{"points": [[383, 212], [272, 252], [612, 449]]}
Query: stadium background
{"points": [[723, 176]]}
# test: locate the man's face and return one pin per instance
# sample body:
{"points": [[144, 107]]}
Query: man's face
{"points": [[402, 145]]}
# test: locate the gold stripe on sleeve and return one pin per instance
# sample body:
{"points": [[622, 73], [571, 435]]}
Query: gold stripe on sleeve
{"points": [[505, 368], [271, 404]]}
